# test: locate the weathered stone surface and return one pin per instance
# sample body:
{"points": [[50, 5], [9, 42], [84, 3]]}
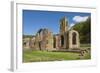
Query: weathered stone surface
{"points": [[74, 39], [26, 43]]}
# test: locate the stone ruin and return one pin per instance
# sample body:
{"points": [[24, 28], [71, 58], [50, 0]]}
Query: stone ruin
{"points": [[46, 40]]}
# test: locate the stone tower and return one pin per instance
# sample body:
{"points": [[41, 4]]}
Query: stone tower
{"points": [[63, 25], [63, 32]]}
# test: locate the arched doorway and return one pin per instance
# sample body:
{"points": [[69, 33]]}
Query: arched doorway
{"points": [[74, 38]]}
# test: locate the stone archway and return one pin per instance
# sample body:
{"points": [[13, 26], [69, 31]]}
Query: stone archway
{"points": [[74, 38]]}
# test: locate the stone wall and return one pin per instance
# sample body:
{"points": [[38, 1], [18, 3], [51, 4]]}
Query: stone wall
{"points": [[46, 40], [26, 43], [76, 37]]}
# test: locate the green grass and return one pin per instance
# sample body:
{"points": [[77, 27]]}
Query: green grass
{"points": [[38, 56]]}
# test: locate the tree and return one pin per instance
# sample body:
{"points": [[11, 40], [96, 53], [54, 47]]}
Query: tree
{"points": [[84, 29]]}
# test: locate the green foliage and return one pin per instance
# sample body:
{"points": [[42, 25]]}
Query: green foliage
{"points": [[85, 45], [84, 29]]}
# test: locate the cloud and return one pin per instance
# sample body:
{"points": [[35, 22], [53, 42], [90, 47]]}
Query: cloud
{"points": [[80, 18], [72, 24]]}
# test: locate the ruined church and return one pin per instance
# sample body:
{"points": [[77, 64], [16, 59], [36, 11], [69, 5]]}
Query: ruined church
{"points": [[46, 40]]}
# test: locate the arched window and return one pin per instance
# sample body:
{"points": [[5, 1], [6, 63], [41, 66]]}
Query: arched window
{"points": [[62, 40], [74, 38]]}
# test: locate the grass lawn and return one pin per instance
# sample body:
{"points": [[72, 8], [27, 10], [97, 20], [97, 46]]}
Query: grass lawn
{"points": [[37, 56]]}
